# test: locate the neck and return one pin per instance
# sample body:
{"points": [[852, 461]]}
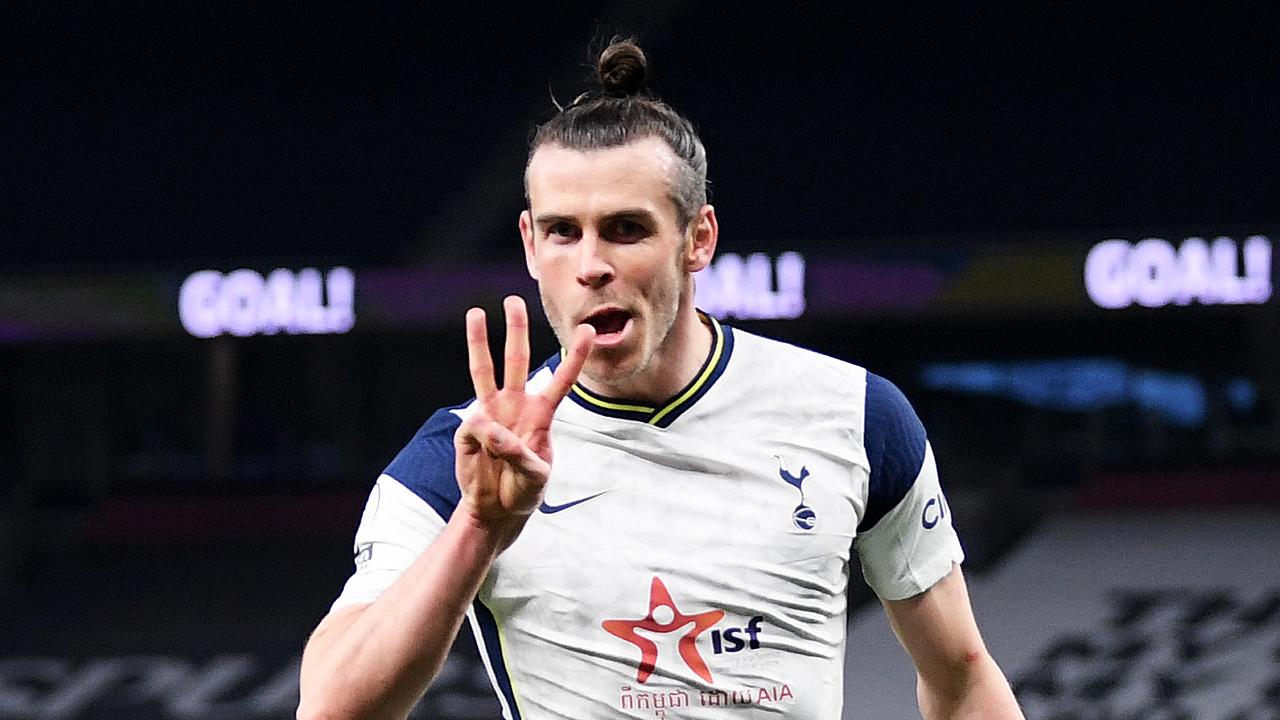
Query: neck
{"points": [[672, 367]]}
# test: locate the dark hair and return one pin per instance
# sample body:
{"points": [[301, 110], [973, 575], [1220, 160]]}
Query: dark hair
{"points": [[624, 112]]}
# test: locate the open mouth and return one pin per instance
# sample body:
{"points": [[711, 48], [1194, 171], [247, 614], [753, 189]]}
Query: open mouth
{"points": [[609, 323]]}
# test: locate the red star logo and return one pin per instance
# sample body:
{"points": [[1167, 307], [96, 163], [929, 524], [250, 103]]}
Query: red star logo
{"points": [[672, 619]]}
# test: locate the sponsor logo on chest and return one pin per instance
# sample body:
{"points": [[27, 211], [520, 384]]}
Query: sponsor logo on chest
{"points": [[689, 628]]}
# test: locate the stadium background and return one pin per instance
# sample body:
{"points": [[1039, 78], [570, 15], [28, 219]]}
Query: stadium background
{"points": [[176, 512]]}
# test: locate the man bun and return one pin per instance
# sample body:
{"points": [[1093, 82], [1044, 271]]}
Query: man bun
{"points": [[622, 69], [622, 111]]}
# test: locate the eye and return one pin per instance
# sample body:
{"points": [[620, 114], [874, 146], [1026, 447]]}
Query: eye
{"points": [[625, 230], [561, 231]]}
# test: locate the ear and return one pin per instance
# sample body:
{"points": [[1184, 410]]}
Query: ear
{"points": [[705, 232], [526, 237]]}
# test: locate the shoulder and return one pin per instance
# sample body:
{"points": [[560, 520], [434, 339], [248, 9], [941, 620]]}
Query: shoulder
{"points": [[426, 464], [881, 402], [889, 414], [891, 431], [797, 366], [895, 442]]}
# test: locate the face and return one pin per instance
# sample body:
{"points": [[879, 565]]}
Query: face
{"points": [[603, 241]]}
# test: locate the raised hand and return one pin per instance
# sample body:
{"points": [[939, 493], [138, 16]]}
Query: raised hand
{"points": [[504, 446]]}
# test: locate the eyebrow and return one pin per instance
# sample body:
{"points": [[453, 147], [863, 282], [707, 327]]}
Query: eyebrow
{"points": [[640, 214], [545, 220]]}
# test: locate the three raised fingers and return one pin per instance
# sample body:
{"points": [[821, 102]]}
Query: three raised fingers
{"points": [[516, 354]]}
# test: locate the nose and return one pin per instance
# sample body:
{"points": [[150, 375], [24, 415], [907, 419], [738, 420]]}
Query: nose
{"points": [[594, 269]]}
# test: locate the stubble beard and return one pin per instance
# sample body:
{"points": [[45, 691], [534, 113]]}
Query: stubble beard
{"points": [[664, 311]]}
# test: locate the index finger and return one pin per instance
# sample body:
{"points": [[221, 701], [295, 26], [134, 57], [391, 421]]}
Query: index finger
{"points": [[567, 373]]}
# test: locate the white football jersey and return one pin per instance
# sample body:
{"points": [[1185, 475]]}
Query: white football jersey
{"points": [[689, 560]]}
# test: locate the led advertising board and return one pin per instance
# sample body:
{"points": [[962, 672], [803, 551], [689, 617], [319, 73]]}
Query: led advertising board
{"points": [[243, 302], [1028, 276], [1154, 272]]}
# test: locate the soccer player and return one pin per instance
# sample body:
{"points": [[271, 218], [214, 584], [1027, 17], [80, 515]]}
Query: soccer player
{"points": [[660, 521]]}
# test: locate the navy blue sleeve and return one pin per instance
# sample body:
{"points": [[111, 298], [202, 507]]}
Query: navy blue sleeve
{"points": [[425, 465], [895, 443]]}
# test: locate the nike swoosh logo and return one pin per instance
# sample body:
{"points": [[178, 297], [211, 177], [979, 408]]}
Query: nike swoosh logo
{"points": [[552, 509]]}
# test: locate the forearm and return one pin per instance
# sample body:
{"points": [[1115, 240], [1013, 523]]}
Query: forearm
{"points": [[376, 663], [975, 690]]}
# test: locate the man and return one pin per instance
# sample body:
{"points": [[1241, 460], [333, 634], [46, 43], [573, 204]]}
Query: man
{"points": [[660, 521]]}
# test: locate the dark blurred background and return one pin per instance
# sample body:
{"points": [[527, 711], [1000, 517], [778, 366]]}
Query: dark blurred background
{"points": [[177, 497]]}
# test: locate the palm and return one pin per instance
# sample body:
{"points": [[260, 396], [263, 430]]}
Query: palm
{"points": [[497, 481], [504, 446]]}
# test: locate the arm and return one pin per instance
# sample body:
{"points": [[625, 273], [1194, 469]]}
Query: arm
{"points": [[957, 678], [374, 661]]}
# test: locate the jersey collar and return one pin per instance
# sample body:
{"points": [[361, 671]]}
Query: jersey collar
{"points": [[665, 413]]}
